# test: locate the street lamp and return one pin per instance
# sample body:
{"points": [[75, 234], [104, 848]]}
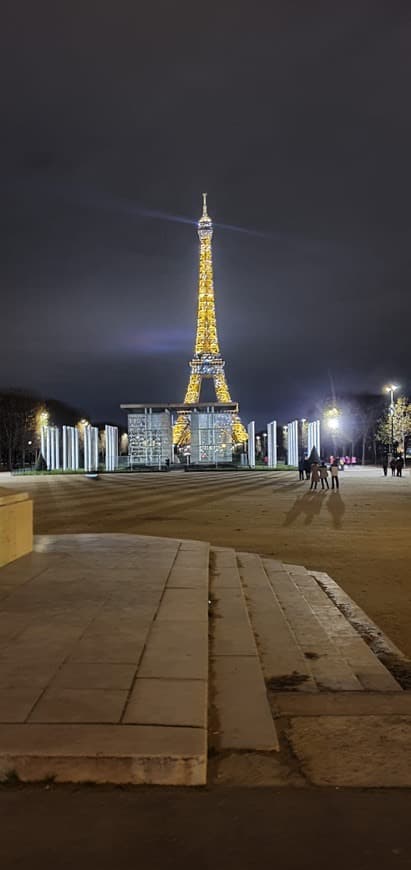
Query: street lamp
{"points": [[332, 420], [391, 390]]}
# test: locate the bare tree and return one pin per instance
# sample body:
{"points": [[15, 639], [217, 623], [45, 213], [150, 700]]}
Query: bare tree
{"points": [[17, 424]]}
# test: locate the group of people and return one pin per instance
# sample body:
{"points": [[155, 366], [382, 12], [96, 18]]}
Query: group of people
{"points": [[396, 465], [318, 473]]}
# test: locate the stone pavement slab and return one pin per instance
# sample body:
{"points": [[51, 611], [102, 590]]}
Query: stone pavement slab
{"points": [[240, 699], [190, 569], [78, 619], [16, 704], [79, 705], [92, 675], [168, 702], [176, 650]]}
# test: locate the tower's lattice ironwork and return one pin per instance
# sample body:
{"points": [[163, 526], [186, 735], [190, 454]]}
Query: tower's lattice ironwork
{"points": [[207, 361]]}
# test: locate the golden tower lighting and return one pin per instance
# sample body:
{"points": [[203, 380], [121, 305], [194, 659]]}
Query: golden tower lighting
{"points": [[207, 361]]}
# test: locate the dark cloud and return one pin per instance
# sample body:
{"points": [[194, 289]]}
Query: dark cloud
{"points": [[296, 119]]}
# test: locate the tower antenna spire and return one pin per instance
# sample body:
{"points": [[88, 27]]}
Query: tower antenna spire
{"points": [[205, 205]]}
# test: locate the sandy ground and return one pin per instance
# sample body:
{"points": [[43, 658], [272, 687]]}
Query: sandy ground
{"points": [[361, 535]]}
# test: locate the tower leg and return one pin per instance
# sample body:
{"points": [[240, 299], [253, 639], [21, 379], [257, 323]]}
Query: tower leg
{"points": [[181, 428], [193, 389], [221, 388]]}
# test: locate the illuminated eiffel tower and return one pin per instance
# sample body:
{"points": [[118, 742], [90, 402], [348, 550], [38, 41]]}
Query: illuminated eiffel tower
{"points": [[207, 361]]}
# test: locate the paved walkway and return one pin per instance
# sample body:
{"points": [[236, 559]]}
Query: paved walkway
{"points": [[104, 660], [106, 676]]}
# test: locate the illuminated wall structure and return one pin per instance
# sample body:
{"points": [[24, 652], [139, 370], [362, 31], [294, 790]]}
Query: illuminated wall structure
{"points": [[251, 444], [293, 449], [314, 437], [272, 444], [211, 436], [150, 436], [50, 447], [70, 448], [90, 435], [111, 441], [207, 361]]}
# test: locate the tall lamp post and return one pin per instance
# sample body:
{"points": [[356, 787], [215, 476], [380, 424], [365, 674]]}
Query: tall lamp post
{"points": [[391, 390], [332, 419]]}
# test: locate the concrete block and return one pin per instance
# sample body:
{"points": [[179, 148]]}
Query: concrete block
{"points": [[118, 754], [240, 699], [16, 526]]}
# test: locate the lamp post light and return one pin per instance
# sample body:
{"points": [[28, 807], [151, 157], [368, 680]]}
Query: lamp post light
{"points": [[391, 390], [333, 423]]}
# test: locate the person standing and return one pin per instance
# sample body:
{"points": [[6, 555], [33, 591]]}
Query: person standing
{"points": [[335, 483], [393, 466], [301, 469], [324, 476], [400, 466], [315, 475], [385, 465]]}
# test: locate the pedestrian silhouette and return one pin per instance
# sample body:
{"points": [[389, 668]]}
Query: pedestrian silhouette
{"points": [[335, 484], [324, 476], [399, 466], [315, 475]]}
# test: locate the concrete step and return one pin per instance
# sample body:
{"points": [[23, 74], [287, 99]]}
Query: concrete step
{"points": [[371, 673], [283, 662], [240, 713], [171, 687], [329, 670]]}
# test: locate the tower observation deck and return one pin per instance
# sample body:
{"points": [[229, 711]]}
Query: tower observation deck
{"points": [[207, 361]]}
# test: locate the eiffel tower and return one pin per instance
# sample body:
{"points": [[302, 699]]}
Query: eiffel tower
{"points": [[207, 361]]}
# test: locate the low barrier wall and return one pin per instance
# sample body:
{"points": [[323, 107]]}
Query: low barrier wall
{"points": [[16, 525]]}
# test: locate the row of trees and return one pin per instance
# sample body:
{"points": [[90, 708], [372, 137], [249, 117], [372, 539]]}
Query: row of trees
{"points": [[22, 414], [363, 426]]}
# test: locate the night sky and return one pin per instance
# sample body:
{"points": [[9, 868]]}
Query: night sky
{"points": [[295, 118]]}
